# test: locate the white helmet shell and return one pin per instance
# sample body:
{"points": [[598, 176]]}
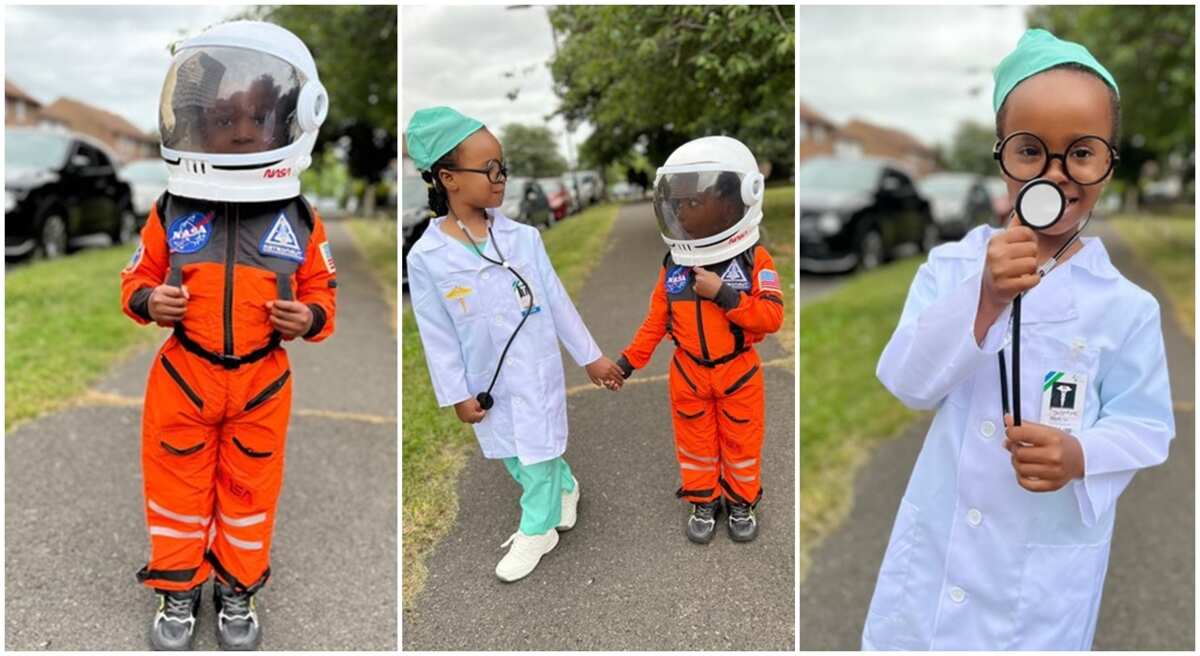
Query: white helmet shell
{"points": [[239, 113], [708, 199]]}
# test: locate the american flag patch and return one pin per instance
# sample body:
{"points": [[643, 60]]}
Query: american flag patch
{"points": [[768, 279]]}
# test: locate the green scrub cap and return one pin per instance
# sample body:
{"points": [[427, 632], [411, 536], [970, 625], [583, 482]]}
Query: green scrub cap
{"points": [[1037, 51], [435, 131]]}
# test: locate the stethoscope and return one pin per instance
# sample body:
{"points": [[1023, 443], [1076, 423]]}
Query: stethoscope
{"points": [[485, 398], [1040, 204]]}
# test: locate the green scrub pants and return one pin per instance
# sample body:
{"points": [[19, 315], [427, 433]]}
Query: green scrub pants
{"points": [[542, 487]]}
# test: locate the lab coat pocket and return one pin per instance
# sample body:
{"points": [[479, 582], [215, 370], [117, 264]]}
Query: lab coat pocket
{"points": [[1060, 596], [887, 623], [554, 401], [1053, 358]]}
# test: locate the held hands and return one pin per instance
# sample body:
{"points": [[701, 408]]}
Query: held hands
{"points": [[168, 304], [469, 411], [290, 318], [605, 372], [1044, 458], [1011, 266], [707, 283]]}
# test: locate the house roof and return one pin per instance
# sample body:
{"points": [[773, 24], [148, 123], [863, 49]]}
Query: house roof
{"points": [[13, 91], [80, 116]]}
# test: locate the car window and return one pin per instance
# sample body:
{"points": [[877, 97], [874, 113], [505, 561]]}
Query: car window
{"points": [[95, 159]]}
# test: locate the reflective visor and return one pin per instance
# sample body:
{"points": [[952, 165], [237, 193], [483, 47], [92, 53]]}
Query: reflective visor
{"points": [[697, 205], [229, 101]]}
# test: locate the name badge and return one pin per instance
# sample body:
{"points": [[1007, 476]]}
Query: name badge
{"points": [[1063, 395]]}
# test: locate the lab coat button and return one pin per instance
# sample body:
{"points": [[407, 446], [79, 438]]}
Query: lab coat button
{"points": [[485, 276], [957, 595], [974, 517], [499, 320], [988, 429]]}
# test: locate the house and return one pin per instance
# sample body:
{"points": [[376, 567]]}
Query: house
{"points": [[20, 108], [820, 136], [124, 139], [896, 145]]}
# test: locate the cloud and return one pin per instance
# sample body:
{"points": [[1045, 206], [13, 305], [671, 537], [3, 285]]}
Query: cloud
{"points": [[920, 69], [111, 57], [471, 57]]}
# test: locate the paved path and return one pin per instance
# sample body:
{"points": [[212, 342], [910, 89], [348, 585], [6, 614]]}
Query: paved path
{"points": [[1148, 601], [75, 532], [625, 578]]}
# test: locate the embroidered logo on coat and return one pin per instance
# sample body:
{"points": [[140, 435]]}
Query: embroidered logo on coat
{"points": [[190, 232], [135, 260], [736, 277], [676, 280], [459, 294], [327, 255], [768, 279], [280, 241]]}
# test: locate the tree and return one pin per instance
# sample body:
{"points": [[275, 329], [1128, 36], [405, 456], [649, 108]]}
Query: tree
{"points": [[971, 149], [650, 78], [531, 151], [1151, 53], [355, 50]]}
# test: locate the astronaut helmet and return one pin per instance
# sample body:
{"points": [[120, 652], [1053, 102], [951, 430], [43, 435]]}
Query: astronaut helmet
{"points": [[708, 199], [239, 113]]}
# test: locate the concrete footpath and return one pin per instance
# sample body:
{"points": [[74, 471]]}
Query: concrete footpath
{"points": [[76, 533], [625, 578]]}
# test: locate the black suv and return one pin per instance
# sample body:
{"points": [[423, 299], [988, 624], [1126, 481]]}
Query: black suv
{"points": [[59, 187]]}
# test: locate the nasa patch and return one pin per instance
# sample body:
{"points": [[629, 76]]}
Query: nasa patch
{"points": [[676, 280], [280, 241], [190, 232]]}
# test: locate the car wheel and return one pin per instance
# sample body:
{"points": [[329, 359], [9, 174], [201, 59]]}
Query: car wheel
{"points": [[870, 250], [53, 238], [126, 229], [929, 237]]}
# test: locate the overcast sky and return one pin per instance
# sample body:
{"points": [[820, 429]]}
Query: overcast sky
{"points": [[919, 69], [111, 57], [470, 58]]}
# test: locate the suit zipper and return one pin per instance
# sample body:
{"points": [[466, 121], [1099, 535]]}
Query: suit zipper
{"points": [[230, 261], [700, 329]]}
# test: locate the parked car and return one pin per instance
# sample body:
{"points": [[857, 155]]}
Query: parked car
{"points": [[524, 201], [148, 180], [414, 217], [59, 187], [558, 196], [1001, 204], [623, 191], [857, 213], [591, 186], [959, 202]]}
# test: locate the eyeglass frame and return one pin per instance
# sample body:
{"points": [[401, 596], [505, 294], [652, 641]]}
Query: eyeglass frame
{"points": [[1112, 164], [503, 170]]}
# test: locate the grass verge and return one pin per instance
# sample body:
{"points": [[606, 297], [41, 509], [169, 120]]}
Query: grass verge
{"points": [[376, 240], [435, 444], [64, 329], [844, 410], [779, 219], [1167, 246]]}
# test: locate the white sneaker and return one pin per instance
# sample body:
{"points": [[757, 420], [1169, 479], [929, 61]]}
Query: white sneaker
{"points": [[524, 555], [570, 501]]}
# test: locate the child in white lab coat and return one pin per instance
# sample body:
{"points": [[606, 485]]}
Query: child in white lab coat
{"points": [[1002, 538], [483, 289]]}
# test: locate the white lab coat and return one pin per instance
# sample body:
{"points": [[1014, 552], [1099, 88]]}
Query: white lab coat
{"points": [[975, 561], [466, 310]]}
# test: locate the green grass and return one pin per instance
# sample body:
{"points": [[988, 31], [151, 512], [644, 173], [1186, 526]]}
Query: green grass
{"points": [[1166, 245], [376, 239], [64, 329], [435, 443], [844, 410], [779, 219]]}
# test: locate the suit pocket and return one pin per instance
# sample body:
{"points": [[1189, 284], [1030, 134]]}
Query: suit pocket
{"points": [[1060, 586], [183, 385], [268, 392]]}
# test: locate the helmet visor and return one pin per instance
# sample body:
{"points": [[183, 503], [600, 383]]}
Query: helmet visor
{"points": [[229, 101], [697, 205]]}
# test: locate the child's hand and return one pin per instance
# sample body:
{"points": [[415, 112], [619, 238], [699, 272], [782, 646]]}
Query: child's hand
{"points": [[1044, 458], [605, 372], [168, 304], [707, 283], [290, 318], [469, 411], [1011, 266]]}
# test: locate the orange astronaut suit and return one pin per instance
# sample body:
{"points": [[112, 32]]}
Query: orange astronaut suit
{"points": [[219, 394], [716, 380]]}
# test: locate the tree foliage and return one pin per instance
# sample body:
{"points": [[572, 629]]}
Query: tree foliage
{"points": [[970, 150], [531, 151], [654, 77]]}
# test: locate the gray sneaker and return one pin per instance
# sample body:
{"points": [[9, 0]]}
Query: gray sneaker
{"points": [[174, 623], [743, 524], [237, 619], [702, 522]]}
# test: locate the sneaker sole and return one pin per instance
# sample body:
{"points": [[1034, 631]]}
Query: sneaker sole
{"points": [[696, 540], [750, 538], [535, 564]]}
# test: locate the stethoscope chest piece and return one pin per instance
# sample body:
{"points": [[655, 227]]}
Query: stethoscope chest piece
{"points": [[1040, 204]]}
